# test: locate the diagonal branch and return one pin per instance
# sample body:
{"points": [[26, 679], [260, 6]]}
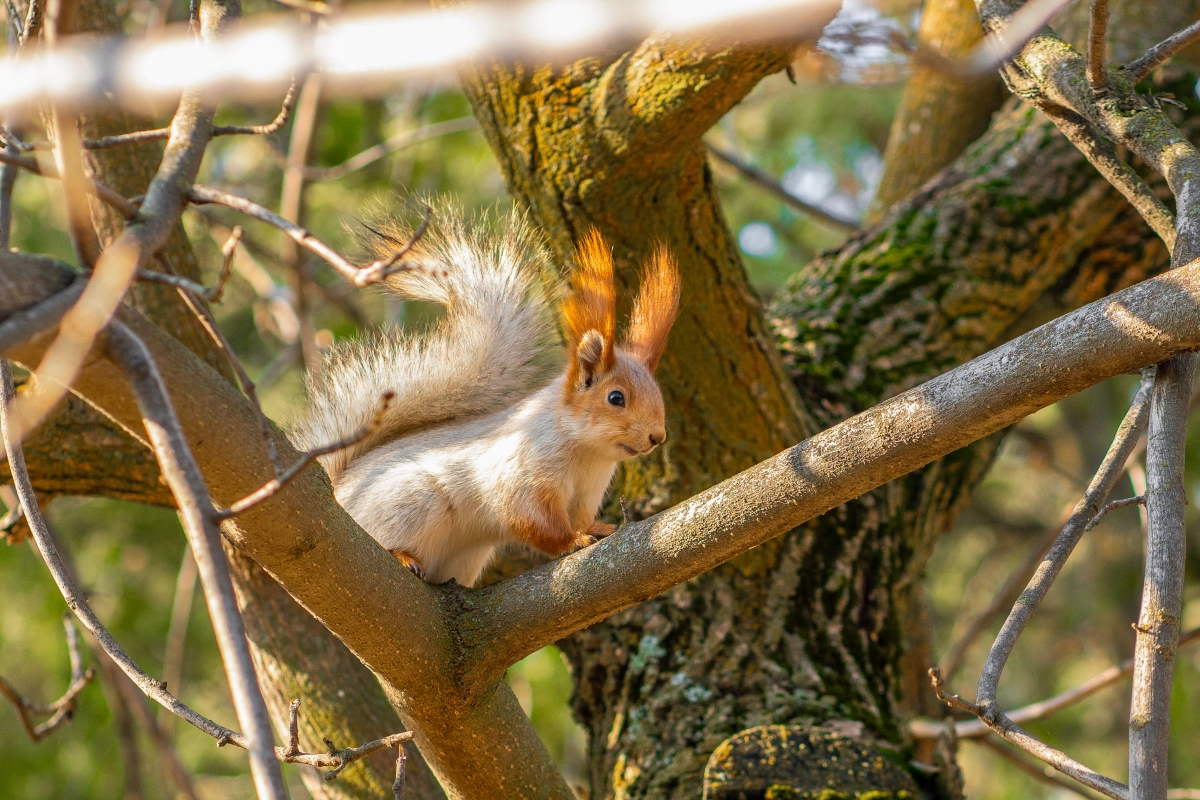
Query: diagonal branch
{"points": [[398, 142], [1139, 69], [182, 475], [776, 189]]}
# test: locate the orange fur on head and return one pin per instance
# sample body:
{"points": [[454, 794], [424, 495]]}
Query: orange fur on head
{"points": [[591, 307], [654, 310]]}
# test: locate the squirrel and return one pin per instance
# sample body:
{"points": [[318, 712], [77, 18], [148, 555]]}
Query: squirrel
{"points": [[477, 449]]}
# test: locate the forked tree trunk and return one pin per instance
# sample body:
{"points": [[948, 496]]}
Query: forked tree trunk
{"points": [[803, 631]]}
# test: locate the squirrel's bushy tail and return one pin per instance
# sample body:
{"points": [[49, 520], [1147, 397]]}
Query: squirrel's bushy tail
{"points": [[492, 348]]}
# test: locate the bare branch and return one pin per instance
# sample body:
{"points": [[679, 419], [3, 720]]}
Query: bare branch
{"points": [[182, 475], [359, 277], [1005, 39], [218, 130], [1101, 155], [127, 209], [227, 250], [928, 729], [1141, 67], [1097, 72], [62, 709], [143, 236], [398, 142], [336, 760], [765, 181], [181, 612], [271, 488], [1162, 589], [1113, 506], [1088, 507], [205, 317], [1010, 732]]}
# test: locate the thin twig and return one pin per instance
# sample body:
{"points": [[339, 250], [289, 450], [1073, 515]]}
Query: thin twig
{"points": [[1097, 40], [205, 317], [1012, 733], [1111, 468], [928, 729], [1141, 67], [227, 250], [62, 709], [1113, 506], [398, 142], [336, 760], [765, 181], [359, 277], [271, 488], [1162, 588], [156, 134]]}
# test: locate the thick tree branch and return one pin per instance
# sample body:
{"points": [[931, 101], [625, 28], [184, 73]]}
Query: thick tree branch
{"points": [[889, 440]]}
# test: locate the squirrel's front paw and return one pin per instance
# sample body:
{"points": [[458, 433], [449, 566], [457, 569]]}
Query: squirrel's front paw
{"points": [[410, 561], [594, 533]]}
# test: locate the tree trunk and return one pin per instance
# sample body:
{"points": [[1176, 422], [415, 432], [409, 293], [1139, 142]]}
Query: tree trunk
{"points": [[804, 630]]}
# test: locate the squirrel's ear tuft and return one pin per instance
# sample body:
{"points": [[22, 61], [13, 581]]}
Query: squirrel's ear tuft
{"points": [[655, 309], [590, 312]]}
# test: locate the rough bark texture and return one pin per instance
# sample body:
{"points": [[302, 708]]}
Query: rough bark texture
{"points": [[804, 629]]}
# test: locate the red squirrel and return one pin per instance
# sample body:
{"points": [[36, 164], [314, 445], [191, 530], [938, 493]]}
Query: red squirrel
{"points": [[476, 449]]}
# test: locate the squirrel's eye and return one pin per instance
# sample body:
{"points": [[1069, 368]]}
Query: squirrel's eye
{"points": [[616, 398]]}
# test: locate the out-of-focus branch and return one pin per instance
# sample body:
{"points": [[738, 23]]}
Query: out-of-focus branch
{"points": [[1138, 70], [775, 188], [1043, 774], [127, 209], [62, 709], [398, 142], [291, 208], [1162, 588], [218, 130]]}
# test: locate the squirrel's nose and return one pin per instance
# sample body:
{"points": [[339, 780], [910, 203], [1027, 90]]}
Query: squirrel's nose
{"points": [[658, 438]]}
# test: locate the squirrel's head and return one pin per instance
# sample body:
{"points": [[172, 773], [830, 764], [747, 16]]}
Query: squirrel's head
{"points": [[610, 384]]}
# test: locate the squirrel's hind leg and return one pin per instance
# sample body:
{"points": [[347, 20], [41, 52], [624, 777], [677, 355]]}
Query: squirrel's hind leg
{"points": [[409, 560]]}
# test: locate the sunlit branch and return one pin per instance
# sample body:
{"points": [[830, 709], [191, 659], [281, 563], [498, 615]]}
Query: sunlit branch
{"points": [[1097, 72]]}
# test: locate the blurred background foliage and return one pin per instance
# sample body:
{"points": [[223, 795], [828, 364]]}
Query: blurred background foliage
{"points": [[823, 137]]}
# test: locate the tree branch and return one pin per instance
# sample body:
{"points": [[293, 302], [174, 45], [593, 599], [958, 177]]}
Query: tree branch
{"points": [[1097, 72], [182, 475], [1162, 590], [398, 142], [1138, 70]]}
